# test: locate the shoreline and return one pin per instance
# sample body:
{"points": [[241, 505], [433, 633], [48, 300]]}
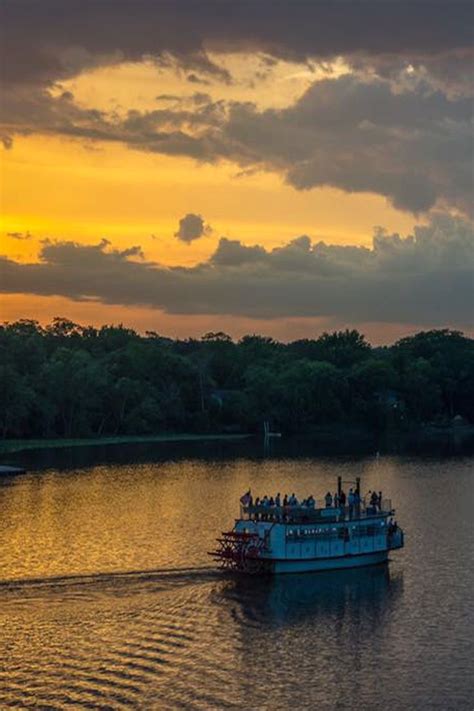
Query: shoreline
{"points": [[10, 446]]}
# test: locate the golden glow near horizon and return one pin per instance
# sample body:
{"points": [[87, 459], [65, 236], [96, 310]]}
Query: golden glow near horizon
{"points": [[71, 189]]}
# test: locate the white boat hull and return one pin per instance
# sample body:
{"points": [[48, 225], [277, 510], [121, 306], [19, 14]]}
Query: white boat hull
{"points": [[311, 565]]}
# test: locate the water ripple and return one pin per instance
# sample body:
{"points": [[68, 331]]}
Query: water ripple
{"points": [[148, 625]]}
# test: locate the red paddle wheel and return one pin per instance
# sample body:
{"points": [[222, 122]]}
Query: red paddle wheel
{"points": [[240, 551]]}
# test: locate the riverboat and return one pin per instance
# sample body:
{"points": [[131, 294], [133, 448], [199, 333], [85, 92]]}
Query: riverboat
{"points": [[299, 538]]}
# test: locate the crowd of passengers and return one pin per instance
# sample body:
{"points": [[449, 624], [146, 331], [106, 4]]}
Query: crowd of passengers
{"points": [[338, 501]]}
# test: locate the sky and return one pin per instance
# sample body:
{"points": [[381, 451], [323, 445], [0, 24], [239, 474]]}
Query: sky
{"points": [[277, 167]]}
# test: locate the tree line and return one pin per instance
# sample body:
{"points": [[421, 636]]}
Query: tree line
{"points": [[67, 380]]}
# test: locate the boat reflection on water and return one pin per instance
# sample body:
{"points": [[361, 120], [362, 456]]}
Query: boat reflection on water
{"points": [[336, 630], [283, 600]]}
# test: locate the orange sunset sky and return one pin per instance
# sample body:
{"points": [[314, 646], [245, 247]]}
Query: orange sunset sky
{"points": [[266, 145]]}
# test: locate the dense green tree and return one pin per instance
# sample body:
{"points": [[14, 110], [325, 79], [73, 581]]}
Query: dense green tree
{"points": [[73, 381], [373, 392], [17, 400], [310, 392], [421, 391], [67, 380], [447, 362]]}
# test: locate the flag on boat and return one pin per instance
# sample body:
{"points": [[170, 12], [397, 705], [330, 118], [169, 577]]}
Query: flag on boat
{"points": [[245, 499]]}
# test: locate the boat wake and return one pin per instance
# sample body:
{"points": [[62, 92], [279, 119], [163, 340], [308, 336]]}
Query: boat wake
{"points": [[114, 578], [131, 639]]}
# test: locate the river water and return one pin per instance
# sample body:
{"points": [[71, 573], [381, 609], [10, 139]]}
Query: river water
{"points": [[108, 599]]}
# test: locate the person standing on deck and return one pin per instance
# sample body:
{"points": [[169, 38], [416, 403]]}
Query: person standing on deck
{"points": [[328, 500], [351, 500], [357, 503], [246, 499], [256, 514]]}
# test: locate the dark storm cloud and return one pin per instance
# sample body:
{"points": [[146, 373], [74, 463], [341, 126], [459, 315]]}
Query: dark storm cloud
{"points": [[48, 40], [426, 278], [413, 147]]}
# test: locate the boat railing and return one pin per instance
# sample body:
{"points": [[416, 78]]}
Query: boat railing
{"points": [[298, 513]]}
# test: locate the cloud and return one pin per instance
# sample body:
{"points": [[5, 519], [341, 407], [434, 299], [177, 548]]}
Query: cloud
{"points": [[65, 38], [194, 79], [20, 235], [231, 252], [192, 227], [449, 72], [413, 146], [399, 126], [426, 278], [360, 136]]}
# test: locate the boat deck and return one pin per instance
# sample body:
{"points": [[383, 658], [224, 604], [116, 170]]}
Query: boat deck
{"points": [[305, 514]]}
